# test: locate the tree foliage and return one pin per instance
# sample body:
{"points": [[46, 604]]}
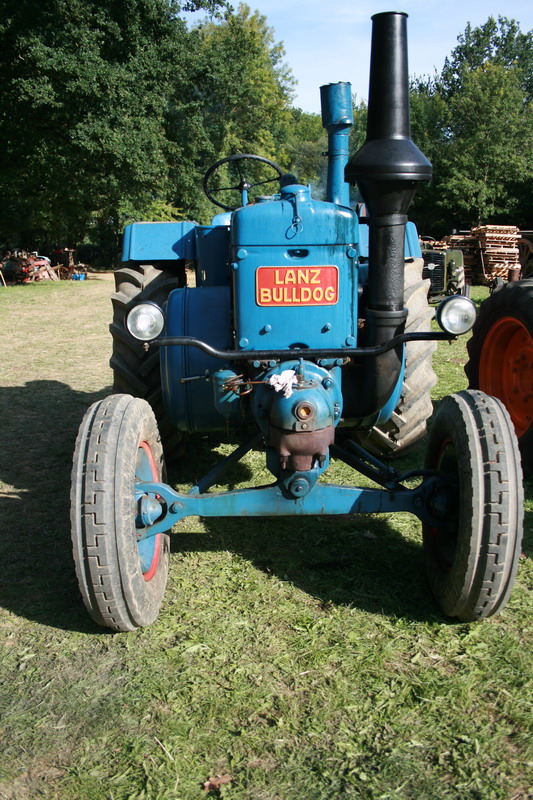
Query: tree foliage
{"points": [[82, 114], [235, 99], [112, 110], [499, 42], [489, 151], [474, 122]]}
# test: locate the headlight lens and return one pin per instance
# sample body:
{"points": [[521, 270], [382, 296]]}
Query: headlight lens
{"points": [[456, 314], [145, 321]]}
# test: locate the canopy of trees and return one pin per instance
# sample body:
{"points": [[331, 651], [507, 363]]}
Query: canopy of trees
{"points": [[112, 111], [84, 96], [474, 121]]}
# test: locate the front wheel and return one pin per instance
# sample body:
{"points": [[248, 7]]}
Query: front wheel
{"points": [[122, 579], [472, 556]]}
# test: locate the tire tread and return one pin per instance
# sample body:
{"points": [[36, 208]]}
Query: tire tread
{"points": [[94, 535], [490, 530], [408, 423], [137, 372]]}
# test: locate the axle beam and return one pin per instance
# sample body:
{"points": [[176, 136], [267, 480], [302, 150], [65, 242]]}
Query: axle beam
{"points": [[274, 501]]}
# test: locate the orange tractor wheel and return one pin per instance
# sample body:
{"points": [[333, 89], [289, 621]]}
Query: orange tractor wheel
{"points": [[501, 357]]}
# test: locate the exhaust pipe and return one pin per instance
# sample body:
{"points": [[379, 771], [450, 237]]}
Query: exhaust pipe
{"points": [[387, 168]]}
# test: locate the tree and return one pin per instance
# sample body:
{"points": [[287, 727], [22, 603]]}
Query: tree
{"points": [[489, 151], [430, 129], [85, 87], [235, 98], [498, 42], [306, 143], [473, 121]]}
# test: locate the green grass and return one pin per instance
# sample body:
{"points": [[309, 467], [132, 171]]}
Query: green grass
{"points": [[303, 660]]}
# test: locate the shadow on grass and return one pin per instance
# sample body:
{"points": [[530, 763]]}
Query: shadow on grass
{"points": [[360, 560], [38, 425]]}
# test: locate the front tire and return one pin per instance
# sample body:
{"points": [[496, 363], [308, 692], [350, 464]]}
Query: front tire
{"points": [[472, 556], [121, 579]]}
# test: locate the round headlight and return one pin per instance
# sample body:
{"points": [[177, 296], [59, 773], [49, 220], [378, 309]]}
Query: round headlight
{"points": [[145, 321], [456, 314]]}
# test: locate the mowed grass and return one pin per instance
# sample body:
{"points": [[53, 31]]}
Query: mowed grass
{"points": [[292, 659]]}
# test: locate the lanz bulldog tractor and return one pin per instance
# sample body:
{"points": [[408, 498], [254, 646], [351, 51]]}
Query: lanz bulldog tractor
{"points": [[312, 326]]}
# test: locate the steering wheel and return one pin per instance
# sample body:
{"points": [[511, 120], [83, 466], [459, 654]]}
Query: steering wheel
{"points": [[243, 185]]}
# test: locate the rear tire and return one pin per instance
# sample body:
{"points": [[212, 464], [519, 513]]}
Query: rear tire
{"points": [[408, 424], [122, 580], [472, 556], [136, 371], [501, 357]]}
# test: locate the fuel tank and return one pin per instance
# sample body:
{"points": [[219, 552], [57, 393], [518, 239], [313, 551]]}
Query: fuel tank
{"points": [[189, 377]]}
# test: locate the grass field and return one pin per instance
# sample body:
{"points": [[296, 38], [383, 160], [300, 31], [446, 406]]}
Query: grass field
{"points": [[291, 660]]}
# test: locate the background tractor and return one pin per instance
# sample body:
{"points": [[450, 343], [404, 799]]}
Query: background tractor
{"points": [[445, 269], [307, 335]]}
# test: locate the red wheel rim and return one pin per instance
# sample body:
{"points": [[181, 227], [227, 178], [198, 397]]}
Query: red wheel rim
{"points": [[506, 370], [149, 574]]}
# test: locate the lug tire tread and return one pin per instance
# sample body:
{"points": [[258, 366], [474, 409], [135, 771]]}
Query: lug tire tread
{"points": [[408, 423], [137, 372]]}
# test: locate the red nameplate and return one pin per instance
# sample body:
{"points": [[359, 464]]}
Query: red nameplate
{"points": [[297, 286]]}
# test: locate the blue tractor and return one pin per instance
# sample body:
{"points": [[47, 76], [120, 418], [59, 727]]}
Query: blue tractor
{"points": [[308, 328]]}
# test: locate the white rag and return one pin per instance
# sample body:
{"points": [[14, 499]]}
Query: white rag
{"points": [[283, 382]]}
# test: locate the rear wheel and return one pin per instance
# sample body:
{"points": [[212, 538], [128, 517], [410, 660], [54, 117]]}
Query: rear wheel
{"points": [[136, 371], [122, 579], [501, 357], [472, 556], [408, 424]]}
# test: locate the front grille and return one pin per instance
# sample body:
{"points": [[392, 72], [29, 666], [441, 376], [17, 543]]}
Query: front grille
{"points": [[435, 270]]}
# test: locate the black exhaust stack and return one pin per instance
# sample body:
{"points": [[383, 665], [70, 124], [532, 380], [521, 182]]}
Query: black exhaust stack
{"points": [[387, 169]]}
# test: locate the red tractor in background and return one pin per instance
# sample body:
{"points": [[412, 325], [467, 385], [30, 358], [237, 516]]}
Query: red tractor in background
{"points": [[501, 350]]}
